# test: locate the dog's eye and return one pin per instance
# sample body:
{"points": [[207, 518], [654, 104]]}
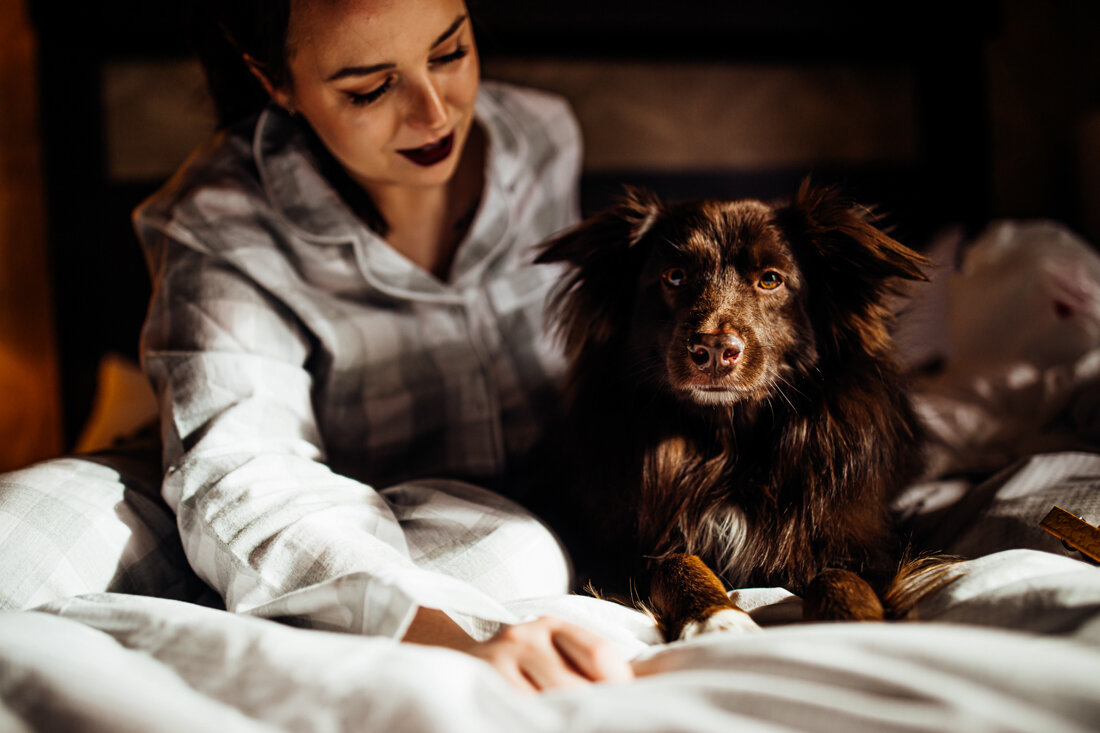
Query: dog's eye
{"points": [[674, 277], [770, 280]]}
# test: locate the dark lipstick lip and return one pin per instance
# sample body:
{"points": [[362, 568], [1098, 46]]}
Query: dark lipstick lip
{"points": [[429, 155]]}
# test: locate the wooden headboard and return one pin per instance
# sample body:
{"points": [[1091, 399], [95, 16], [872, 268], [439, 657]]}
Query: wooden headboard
{"points": [[716, 98]]}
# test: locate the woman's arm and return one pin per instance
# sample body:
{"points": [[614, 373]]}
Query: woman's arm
{"points": [[262, 517]]}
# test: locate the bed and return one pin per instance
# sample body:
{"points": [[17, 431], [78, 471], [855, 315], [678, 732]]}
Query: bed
{"points": [[1012, 645], [1009, 386], [130, 663]]}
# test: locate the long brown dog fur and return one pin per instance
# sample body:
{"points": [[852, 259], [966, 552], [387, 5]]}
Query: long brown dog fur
{"points": [[734, 395]]}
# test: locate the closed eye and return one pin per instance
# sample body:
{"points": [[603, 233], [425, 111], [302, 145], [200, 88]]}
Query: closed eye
{"points": [[365, 98], [362, 99], [457, 55]]}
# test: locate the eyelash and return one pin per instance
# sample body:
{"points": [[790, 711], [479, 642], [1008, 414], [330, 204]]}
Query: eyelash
{"points": [[457, 55], [362, 100], [366, 98]]}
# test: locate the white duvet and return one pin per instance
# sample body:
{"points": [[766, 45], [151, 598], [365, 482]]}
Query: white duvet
{"points": [[125, 663], [1013, 645]]}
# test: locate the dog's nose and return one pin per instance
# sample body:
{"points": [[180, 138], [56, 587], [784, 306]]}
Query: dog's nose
{"points": [[715, 352]]}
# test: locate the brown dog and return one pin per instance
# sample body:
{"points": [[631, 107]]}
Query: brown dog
{"points": [[733, 396]]}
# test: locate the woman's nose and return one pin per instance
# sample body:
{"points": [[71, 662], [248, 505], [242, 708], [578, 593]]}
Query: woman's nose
{"points": [[427, 108]]}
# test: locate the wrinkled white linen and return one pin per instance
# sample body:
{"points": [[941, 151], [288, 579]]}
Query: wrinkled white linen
{"points": [[1016, 325], [1012, 645], [115, 662]]}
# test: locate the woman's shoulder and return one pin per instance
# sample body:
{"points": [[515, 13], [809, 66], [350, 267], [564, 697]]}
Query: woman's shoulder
{"points": [[535, 125], [526, 107], [220, 169]]}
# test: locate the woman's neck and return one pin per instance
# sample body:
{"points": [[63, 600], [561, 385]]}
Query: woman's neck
{"points": [[426, 225]]}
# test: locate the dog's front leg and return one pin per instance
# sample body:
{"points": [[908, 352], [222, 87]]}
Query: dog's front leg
{"points": [[688, 599], [840, 595]]}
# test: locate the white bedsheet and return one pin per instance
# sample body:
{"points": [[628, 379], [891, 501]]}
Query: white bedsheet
{"points": [[1013, 645], [122, 663]]}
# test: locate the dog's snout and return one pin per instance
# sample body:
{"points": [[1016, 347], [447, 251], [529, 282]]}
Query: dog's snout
{"points": [[715, 352]]}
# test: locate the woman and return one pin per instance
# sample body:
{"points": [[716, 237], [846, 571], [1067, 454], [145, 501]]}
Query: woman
{"points": [[343, 300]]}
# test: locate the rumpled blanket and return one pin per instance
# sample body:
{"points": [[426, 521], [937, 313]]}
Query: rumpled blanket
{"points": [[1012, 645], [1012, 320]]}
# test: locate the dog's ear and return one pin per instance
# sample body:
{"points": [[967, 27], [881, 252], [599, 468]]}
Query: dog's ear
{"points": [[591, 304], [853, 269], [619, 227], [845, 236]]}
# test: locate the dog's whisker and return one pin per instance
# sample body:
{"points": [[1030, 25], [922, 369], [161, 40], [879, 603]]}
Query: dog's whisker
{"points": [[783, 381], [646, 370]]}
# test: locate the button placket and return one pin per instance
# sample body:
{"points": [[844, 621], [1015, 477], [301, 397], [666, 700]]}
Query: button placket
{"points": [[483, 400]]}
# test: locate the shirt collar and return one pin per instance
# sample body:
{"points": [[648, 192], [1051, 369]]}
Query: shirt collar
{"points": [[292, 169]]}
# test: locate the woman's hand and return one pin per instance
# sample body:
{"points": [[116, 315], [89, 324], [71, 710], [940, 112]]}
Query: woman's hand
{"points": [[533, 656]]}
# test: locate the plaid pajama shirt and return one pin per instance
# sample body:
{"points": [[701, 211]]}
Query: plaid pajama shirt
{"points": [[302, 363]]}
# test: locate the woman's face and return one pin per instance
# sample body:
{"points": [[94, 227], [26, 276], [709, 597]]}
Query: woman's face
{"points": [[388, 85]]}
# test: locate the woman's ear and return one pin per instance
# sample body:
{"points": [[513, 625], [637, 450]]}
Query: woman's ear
{"points": [[277, 93]]}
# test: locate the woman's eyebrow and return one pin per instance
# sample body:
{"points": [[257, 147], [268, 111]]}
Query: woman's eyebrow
{"points": [[450, 31], [358, 71], [374, 68]]}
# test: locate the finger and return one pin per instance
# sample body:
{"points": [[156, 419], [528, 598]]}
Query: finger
{"points": [[547, 668], [525, 655], [647, 666], [515, 677], [592, 655]]}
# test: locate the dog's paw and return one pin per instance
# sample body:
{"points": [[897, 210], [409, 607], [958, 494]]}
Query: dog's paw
{"points": [[729, 620]]}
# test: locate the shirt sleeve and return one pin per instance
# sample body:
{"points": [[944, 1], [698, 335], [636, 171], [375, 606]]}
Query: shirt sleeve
{"points": [[263, 520]]}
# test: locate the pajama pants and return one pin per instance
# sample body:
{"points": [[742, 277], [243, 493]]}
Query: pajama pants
{"points": [[96, 523]]}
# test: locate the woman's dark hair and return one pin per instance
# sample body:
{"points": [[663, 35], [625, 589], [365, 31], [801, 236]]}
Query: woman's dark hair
{"points": [[222, 31]]}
